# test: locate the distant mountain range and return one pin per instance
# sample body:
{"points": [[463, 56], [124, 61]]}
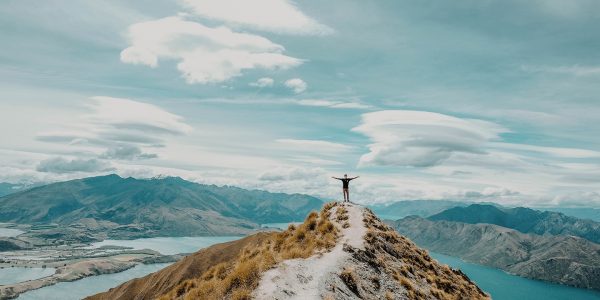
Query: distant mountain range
{"points": [[10, 188], [128, 207], [577, 212], [562, 259], [423, 208], [525, 220]]}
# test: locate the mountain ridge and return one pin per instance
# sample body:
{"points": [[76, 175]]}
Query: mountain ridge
{"points": [[525, 220], [329, 256], [129, 207], [561, 259]]}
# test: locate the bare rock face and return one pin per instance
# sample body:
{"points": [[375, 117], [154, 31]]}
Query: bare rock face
{"points": [[343, 252]]}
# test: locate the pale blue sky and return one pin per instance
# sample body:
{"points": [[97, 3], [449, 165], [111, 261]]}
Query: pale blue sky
{"points": [[477, 100]]}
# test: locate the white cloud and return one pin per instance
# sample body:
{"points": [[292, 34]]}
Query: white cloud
{"points": [[126, 152], [281, 174], [422, 139], [297, 85], [332, 104], [116, 128], [553, 151], [126, 114], [576, 70], [205, 54], [263, 82], [279, 16], [314, 145], [61, 165]]}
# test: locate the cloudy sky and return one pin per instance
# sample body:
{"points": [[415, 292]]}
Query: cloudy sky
{"points": [[473, 100]]}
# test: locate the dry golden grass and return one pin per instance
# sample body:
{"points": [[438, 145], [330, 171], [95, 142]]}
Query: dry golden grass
{"points": [[237, 279], [349, 278], [328, 297], [342, 214], [389, 295], [406, 283]]}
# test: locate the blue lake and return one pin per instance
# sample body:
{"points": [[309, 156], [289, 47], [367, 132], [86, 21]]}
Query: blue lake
{"points": [[499, 284], [16, 275], [96, 284], [169, 245], [9, 232], [504, 286], [281, 226], [90, 285]]}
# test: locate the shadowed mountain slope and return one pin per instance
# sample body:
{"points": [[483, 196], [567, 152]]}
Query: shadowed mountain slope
{"points": [[525, 220], [154, 207], [562, 259]]}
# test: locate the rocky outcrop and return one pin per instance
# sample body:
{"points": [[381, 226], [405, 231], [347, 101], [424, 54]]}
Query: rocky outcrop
{"points": [[561, 259]]}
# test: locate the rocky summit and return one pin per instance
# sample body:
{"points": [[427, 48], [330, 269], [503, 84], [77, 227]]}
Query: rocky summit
{"points": [[342, 252]]}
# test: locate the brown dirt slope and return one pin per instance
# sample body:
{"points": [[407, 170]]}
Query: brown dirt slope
{"points": [[161, 282]]}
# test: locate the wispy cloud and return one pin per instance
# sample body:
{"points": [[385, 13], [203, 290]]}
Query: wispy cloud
{"points": [[553, 151], [279, 16], [315, 145], [576, 70], [263, 82], [333, 104], [119, 128], [61, 165]]}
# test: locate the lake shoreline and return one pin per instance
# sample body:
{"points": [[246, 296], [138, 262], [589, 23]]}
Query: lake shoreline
{"points": [[75, 262]]}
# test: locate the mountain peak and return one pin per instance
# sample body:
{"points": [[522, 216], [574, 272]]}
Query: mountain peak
{"points": [[342, 252]]}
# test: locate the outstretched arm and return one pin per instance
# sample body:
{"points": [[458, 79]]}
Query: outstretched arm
{"points": [[354, 177], [336, 178]]}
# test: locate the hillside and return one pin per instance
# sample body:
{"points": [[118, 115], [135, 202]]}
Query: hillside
{"points": [[525, 220], [577, 212], [423, 208], [9, 188], [128, 207], [343, 252], [562, 259]]}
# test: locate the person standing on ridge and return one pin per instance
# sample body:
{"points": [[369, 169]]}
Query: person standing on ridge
{"points": [[345, 184]]}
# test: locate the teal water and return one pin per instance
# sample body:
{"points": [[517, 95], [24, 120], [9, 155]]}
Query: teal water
{"points": [[96, 284], [90, 285], [499, 284], [281, 226], [9, 232], [169, 245], [15, 275], [504, 286]]}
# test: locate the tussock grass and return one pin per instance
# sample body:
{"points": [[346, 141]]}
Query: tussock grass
{"points": [[350, 279], [406, 283], [389, 295], [342, 214], [237, 279], [418, 275]]}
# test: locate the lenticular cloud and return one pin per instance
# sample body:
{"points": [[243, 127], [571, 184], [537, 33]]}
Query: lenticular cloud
{"points": [[421, 139]]}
